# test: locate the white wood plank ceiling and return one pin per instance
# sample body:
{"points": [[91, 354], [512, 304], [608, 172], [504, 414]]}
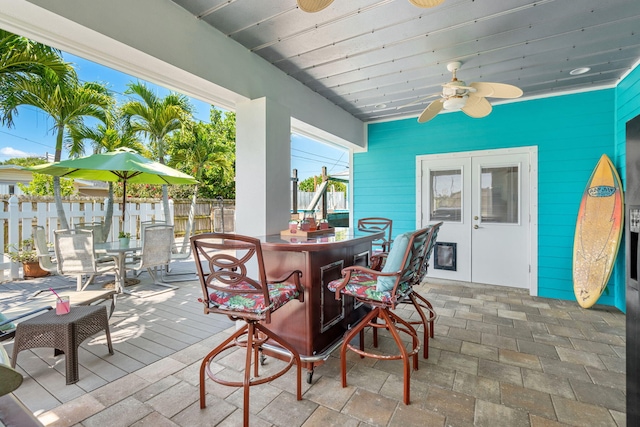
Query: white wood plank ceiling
{"points": [[371, 56]]}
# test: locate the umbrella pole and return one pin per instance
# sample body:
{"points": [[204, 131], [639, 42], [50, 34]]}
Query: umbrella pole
{"points": [[124, 200]]}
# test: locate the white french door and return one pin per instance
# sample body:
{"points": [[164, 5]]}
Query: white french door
{"points": [[485, 201]]}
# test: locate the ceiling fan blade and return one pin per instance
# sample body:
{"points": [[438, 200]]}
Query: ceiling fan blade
{"points": [[477, 106], [313, 5], [496, 90], [417, 101], [425, 3], [431, 111]]}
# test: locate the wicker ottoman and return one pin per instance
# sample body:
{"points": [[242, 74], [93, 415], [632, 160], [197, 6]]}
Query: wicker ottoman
{"points": [[62, 332]]}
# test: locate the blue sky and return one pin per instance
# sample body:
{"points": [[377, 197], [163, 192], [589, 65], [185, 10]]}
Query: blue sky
{"points": [[31, 135]]}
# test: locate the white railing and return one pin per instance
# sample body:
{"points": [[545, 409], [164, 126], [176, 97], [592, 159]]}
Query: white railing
{"points": [[19, 216]]}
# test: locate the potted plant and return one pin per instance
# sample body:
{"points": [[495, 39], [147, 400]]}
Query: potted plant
{"points": [[26, 254], [124, 238]]}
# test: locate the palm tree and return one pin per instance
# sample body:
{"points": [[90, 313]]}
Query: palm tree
{"points": [[114, 133], [157, 118], [21, 59], [198, 149], [68, 103]]}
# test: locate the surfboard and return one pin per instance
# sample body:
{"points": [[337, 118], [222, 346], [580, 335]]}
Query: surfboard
{"points": [[598, 233]]}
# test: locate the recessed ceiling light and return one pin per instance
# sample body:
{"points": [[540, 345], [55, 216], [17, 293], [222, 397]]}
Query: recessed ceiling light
{"points": [[380, 105], [580, 70]]}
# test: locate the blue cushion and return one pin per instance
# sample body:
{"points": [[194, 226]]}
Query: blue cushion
{"points": [[393, 262], [6, 326]]}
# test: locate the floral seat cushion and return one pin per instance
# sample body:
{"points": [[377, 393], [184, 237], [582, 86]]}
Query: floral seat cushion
{"points": [[279, 293], [364, 285]]}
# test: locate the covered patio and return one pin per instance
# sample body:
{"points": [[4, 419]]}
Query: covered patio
{"points": [[501, 355], [499, 358]]}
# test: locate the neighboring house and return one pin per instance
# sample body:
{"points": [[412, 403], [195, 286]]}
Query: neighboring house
{"points": [[11, 175], [91, 188]]}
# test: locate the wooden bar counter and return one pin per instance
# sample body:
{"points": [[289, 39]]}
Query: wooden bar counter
{"points": [[315, 327]]}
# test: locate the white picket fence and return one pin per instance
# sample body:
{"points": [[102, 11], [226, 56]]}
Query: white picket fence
{"points": [[336, 200], [19, 216]]}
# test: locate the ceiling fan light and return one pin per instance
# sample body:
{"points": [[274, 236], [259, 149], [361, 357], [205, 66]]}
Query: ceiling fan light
{"points": [[312, 6], [578, 71], [425, 3], [455, 102]]}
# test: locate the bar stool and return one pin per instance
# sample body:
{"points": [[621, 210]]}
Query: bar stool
{"points": [[383, 245], [423, 307], [223, 261], [382, 291]]}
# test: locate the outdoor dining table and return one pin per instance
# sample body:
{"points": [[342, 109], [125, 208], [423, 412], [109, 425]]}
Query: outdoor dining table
{"points": [[119, 252]]}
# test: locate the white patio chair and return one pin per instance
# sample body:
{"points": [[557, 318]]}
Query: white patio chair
{"points": [[98, 230], [75, 256], [143, 225], [45, 259], [156, 251], [179, 251]]}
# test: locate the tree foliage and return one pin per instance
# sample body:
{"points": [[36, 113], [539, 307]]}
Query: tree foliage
{"points": [[158, 127], [207, 152], [24, 161], [21, 60], [67, 102], [156, 119], [310, 184]]}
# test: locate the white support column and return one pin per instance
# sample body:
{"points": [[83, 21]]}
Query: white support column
{"points": [[263, 164]]}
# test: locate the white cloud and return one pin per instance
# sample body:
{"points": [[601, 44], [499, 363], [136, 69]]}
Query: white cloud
{"points": [[11, 153]]}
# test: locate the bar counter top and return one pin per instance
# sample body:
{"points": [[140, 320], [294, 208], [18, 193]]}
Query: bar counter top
{"points": [[342, 237]]}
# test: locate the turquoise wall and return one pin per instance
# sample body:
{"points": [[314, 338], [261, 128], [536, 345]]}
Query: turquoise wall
{"points": [[571, 133]]}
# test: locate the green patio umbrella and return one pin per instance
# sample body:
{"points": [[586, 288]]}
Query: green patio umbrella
{"points": [[121, 165]]}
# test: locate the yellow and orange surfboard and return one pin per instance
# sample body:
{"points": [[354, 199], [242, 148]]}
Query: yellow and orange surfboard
{"points": [[598, 233]]}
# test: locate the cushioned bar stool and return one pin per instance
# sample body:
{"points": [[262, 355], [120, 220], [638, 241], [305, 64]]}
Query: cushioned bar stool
{"points": [[382, 291], [375, 225], [423, 307], [222, 262]]}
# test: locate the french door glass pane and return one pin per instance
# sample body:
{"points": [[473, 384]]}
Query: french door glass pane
{"points": [[446, 195], [499, 196]]}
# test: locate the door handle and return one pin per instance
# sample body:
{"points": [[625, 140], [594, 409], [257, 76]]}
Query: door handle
{"points": [[476, 226], [476, 217]]}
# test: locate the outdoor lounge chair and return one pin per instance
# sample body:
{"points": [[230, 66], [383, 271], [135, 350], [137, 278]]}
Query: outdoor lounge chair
{"points": [[223, 261], [8, 325], [12, 411]]}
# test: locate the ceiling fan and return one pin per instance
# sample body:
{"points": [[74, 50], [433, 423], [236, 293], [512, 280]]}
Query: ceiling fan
{"points": [[456, 95], [317, 5]]}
